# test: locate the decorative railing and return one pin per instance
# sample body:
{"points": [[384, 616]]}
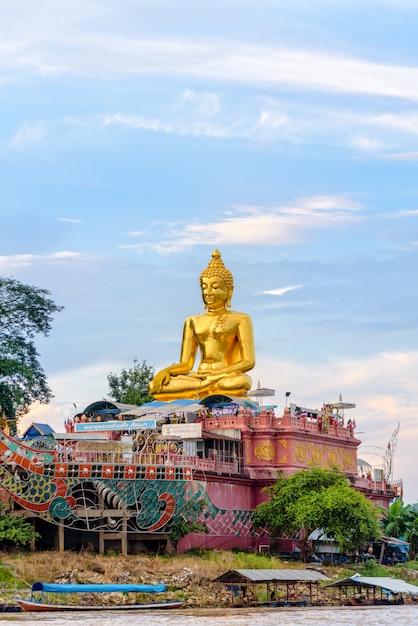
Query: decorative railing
{"points": [[312, 426]]}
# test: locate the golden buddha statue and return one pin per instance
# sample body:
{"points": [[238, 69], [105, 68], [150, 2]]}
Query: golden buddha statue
{"points": [[223, 337]]}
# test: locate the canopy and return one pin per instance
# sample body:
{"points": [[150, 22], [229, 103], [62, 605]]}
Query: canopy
{"points": [[165, 408], [90, 436], [269, 575], [388, 585], [221, 400], [107, 406], [140, 411], [154, 403], [96, 588]]}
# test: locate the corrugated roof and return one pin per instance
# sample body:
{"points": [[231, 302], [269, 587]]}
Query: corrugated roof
{"points": [[269, 575], [394, 541], [393, 585]]}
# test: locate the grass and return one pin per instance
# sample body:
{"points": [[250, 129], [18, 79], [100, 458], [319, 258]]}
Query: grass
{"points": [[6, 575], [236, 559], [188, 576], [199, 567]]}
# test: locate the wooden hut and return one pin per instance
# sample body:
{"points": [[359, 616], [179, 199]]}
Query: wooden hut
{"points": [[273, 587]]}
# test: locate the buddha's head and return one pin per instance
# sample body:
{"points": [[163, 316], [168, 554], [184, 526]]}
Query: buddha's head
{"points": [[216, 282]]}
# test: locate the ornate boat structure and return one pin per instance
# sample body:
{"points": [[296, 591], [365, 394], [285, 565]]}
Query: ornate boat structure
{"points": [[206, 464]]}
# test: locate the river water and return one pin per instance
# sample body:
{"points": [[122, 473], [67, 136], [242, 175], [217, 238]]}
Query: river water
{"points": [[404, 615]]}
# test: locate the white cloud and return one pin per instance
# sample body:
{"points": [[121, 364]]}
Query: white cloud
{"points": [[327, 203], [21, 260], [398, 214], [29, 134], [200, 114], [269, 122], [206, 103], [281, 291], [16, 260], [66, 254], [52, 414], [196, 128], [402, 122], [91, 52], [366, 143], [403, 156], [70, 220], [252, 225]]}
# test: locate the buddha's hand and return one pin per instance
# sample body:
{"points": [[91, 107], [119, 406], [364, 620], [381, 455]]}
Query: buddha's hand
{"points": [[197, 375], [208, 377], [161, 379]]}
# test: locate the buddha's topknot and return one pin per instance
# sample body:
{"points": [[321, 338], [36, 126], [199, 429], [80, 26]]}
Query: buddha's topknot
{"points": [[216, 267]]}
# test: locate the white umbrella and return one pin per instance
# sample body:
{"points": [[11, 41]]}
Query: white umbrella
{"points": [[261, 392]]}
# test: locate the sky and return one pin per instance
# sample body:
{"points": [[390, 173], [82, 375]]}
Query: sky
{"points": [[138, 136]]}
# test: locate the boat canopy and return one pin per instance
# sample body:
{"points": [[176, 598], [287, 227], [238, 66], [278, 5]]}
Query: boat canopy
{"points": [[97, 588]]}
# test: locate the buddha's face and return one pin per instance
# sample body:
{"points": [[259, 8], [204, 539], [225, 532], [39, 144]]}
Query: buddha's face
{"points": [[215, 292]]}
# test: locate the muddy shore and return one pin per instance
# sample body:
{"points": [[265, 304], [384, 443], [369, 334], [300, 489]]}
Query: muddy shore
{"points": [[187, 577]]}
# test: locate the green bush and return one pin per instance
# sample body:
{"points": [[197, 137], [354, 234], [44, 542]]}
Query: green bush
{"points": [[7, 575], [16, 531], [252, 560], [181, 528], [372, 568]]}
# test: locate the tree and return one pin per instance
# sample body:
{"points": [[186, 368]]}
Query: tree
{"points": [[131, 386], [319, 499], [395, 519], [16, 531], [410, 533], [401, 520], [25, 311]]}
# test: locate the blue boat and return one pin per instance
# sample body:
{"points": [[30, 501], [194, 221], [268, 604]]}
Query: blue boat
{"points": [[85, 597]]}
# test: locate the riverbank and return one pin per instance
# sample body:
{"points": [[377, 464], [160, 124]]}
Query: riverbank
{"points": [[187, 576]]}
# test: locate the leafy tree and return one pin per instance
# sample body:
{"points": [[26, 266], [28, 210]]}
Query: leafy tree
{"points": [[187, 523], [410, 533], [16, 531], [131, 386], [395, 518], [401, 520], [25, 311], [319, 499], [183, 528]]}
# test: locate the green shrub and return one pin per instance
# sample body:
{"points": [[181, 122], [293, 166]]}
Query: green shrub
{"points": [[372, 568], [16, 531]]}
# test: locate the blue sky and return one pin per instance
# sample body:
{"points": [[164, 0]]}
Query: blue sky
{"points": [[138, 136]]}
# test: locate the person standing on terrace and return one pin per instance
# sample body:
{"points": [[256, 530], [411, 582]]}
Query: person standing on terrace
{"points": [[223, 338]]}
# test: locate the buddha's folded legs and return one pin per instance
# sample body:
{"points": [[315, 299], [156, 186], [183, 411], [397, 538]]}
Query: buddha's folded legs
{"points": [[194, 388]]}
